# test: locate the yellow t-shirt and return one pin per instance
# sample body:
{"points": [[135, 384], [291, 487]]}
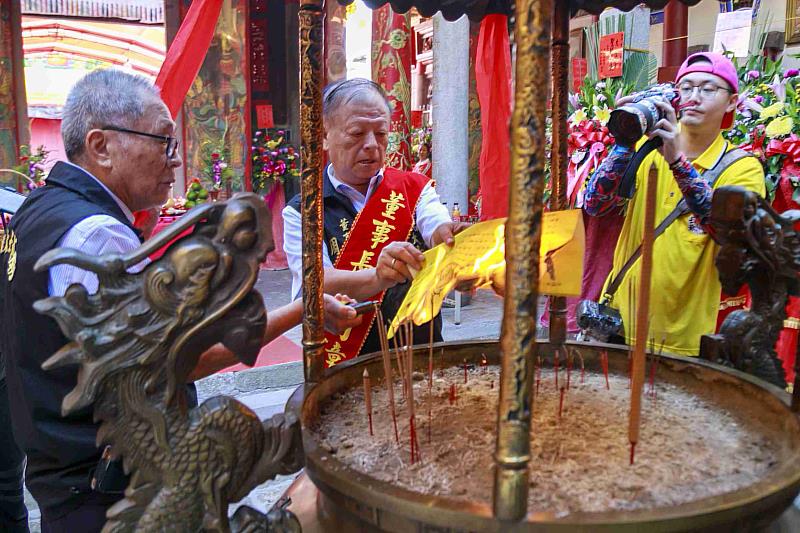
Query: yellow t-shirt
{"points": [[685, 287]]}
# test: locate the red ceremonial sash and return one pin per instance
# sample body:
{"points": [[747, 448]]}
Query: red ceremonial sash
{"points": [[388, 216]]}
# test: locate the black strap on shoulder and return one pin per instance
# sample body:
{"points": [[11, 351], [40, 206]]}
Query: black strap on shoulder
{"points": [[711, 175]]}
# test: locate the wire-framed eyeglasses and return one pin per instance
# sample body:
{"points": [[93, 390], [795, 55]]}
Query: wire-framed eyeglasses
{"points": [[171, 143], [708, 90]]}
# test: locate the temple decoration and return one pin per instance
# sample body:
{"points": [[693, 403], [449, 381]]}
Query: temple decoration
{"points": [[759, 248], [216, 108], [8, 109], [391, 69]]}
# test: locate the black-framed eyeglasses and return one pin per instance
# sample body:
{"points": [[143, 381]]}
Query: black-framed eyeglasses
{"points": [[170, 142]]}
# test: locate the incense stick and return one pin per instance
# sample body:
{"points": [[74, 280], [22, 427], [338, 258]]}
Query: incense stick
{"points": [[430, 375], [397, 341], [368, 399], [387, 371], [409, 359], [643, 311]]}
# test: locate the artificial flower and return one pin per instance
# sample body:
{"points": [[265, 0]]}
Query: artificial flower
{"points": [[578, 116], [779, 126], [773, 111], [602, 114]]}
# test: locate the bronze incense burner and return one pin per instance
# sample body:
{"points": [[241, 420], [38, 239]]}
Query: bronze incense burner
{"points": [[352, 501]]}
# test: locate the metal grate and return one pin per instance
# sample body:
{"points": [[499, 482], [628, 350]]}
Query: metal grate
{"points": [[142, 11]]}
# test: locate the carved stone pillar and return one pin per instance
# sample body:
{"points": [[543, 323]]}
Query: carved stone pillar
{"points": [[450, 109]]}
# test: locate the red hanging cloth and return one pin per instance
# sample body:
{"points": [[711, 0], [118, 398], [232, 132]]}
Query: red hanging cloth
{"points": [[493, 84], [187, 52]]}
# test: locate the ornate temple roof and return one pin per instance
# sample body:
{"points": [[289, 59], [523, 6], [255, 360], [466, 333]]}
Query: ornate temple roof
{"points": [[477, 9], [141, 11]]}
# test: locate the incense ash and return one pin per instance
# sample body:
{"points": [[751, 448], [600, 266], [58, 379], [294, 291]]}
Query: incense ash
{"points": [[689, 447]]}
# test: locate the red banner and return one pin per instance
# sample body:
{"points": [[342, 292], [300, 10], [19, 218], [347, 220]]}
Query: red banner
{"points": [[580, 67], [493, 83], [391, 69], [611, 55], [187, 52]]}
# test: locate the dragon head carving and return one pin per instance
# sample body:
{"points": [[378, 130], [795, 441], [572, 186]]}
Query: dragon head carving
{"points": [[162, 317]]}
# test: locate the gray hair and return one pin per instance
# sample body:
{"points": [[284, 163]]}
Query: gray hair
{"points": [[340, 93], [102, 98]]}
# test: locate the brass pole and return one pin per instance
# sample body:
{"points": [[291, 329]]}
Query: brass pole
{"points": [[558, 162], [523, 232], [311, 76], [642, 311]]}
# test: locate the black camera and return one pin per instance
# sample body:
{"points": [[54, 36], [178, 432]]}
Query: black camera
{"points": [[628, 123]]}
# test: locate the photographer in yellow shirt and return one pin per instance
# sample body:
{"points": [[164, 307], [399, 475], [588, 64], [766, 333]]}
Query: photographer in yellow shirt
{"points": [[685, 288]]}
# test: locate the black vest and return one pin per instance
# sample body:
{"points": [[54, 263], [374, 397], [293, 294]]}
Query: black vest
{"points": [[61, 450], [338, 215]]}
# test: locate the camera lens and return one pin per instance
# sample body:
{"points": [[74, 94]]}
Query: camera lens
{"points": [[630, 122], [625, 126]]}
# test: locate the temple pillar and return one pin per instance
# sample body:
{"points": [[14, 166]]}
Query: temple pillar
{"points": [[335, 54], [676, 28], [391, 69], [450, 109], [14, 130]]}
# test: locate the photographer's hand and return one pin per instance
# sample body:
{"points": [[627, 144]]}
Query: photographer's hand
{"points": [[667, 129]]}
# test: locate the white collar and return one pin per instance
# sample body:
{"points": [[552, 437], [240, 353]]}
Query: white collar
{"points": [[120, 203], [338, 184]]}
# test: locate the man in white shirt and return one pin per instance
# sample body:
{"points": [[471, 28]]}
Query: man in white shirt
{"points": [[376, 219], [121, 144]]}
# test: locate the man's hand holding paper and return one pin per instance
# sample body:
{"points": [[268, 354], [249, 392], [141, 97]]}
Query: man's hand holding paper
{"points": [[477, 259]]}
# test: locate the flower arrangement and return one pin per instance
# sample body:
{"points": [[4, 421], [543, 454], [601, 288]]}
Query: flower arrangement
{"points": [[768, 122], [32, 165], [274, 160], [216, 171], [588, 136]]}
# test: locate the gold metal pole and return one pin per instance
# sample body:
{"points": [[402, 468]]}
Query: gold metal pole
{"points": [[311, 76], [523, 232], [558, 167]]}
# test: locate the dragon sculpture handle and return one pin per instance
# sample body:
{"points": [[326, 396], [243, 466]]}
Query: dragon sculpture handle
{"points": [[137, 340], [759, 248]]}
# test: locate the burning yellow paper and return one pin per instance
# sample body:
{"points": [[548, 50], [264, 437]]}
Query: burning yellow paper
{"points": [[478, 256]]}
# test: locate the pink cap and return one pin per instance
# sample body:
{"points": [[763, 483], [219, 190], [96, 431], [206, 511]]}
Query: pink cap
{"points": [[712, 63]]}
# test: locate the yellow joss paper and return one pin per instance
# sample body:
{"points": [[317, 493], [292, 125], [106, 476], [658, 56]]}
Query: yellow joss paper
{"points": [[561, 253], [478, 256]]}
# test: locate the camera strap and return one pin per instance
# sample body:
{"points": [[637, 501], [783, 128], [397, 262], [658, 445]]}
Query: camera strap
{"points": [[627, 185], [711, 176]]}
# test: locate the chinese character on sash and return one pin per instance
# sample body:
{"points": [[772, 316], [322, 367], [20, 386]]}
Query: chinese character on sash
{"points": [[364, 262], [381, 232], [393, 204]]}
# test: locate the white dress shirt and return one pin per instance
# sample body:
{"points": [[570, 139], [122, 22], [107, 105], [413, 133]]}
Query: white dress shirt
{"points": [[94, 235], [430, 214]]}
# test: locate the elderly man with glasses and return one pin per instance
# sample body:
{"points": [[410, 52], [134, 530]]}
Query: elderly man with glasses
{"points": [[693, 160], [122, 154]]}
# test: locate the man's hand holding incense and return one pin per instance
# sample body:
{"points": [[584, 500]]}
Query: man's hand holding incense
{"points": [[338, 315]]}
